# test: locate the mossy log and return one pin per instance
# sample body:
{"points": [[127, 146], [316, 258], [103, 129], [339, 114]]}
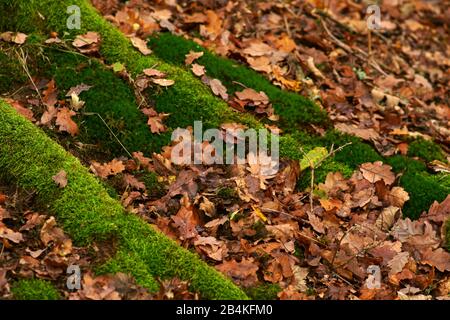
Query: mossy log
{"points": [[89, 214]]}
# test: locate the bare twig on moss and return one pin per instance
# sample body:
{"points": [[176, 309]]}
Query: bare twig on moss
{"points": [[110, 130], [23, 62]]}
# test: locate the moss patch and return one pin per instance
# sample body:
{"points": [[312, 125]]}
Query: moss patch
{"points": [[267, 291], [34, 289], [426, 150], [423, 188]]}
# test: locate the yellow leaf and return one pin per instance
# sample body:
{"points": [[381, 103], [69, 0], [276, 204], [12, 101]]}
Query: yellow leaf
{"points": [[260, 214]]}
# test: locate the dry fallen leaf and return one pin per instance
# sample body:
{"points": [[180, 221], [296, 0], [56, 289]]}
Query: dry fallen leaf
{"points": [[218, 88], [61, 179], [438, 258], [155, 120], [198, 70], [107, 169], [154, 73], [192, 56], [141, 45], [163, 82], [17, 38], [377, 171], [65, 122], [87, 43]]}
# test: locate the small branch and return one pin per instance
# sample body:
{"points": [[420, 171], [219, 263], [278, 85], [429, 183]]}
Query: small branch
{"points": [[23, 62], [114, 135]]}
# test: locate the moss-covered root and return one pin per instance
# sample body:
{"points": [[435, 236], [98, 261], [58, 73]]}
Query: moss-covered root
{"points": [[293, 109], [188, 100], [88, 214], [34, 289]]}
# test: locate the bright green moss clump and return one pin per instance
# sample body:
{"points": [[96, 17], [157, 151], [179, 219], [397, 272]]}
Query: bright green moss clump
{"points": [[267, 291], [427, 150], [34, 289], [293, 109], [87, 213], [423, 188]]}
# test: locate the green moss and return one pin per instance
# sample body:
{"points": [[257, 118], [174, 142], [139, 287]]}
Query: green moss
{"points": [[423, 188], [294, 110], [87, 213], [267, 291], [8, 67], [321, 172], [155, 188], [227, 193], [427, 150], [34, 289], [133, 265]]}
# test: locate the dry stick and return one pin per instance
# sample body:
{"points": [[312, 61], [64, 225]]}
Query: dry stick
{"points": [[339, 245], [104, 122], [344, 46], [23, 62]]}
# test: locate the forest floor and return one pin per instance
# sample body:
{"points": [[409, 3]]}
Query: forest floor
{"points": [[388, 87]]}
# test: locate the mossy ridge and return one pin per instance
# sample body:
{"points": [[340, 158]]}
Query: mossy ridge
{"points": [[174, 48], [425, 149], [88, 214], [190, 95], [34, 289], [293, 109]]}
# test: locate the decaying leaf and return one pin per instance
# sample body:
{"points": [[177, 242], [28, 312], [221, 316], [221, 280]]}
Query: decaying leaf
{"points": [[377, 171], [60, 179], [192, 56], [65, 122], [141, 45]]}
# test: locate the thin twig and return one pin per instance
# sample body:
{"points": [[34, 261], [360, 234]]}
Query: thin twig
{"points": [[23, 62], [104, 122]]}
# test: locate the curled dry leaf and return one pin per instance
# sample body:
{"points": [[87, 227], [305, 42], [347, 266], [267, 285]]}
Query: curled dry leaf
{"points": [[249, 94], [13, 37], [198, 70], [155, 120], [398, 196], [87, 43], [163, 82], [60, 179], [107, 169], [141, 45], [154, 73], [387, 217], [218, 88], [192, 56], [8, 234]]}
